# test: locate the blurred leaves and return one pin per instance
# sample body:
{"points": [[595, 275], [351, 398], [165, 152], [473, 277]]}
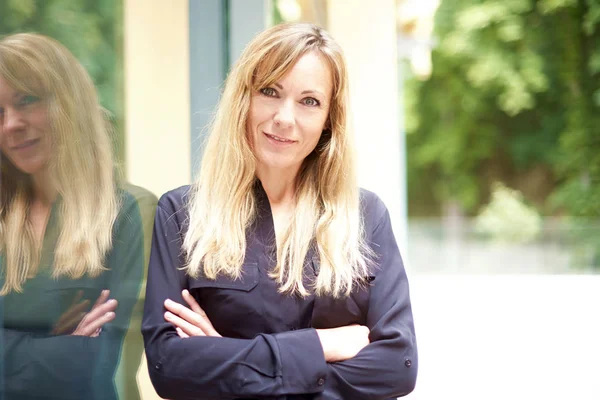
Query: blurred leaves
{"points": [[507, 218], [592, 18], [23, 10], [552, 6], [514, 97]]}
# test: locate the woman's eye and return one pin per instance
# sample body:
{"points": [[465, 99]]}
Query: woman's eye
{"points": [[28, 99], [311, 102], [269, 92]]}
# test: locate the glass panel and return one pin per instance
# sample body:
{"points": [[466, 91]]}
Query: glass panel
{"points": [[74, 238]]}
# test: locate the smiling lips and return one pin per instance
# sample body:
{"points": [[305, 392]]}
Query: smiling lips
{"points": [[279, 139], [26, 144]]}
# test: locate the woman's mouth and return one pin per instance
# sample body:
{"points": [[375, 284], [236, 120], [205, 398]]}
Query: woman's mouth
{"points": [[278, 139], [27, 144]]}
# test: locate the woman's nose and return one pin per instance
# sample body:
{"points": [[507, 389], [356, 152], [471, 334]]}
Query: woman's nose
{"points": [[12, 120], [284, 117]]}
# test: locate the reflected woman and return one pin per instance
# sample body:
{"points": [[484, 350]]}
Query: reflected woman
{"points": [[72, 248], [274, 276]]}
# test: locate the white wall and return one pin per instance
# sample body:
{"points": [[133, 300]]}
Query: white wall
{"points": [[367, 34], [157, 94]]}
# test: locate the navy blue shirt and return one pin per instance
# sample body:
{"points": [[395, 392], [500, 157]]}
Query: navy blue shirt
{"points": [[270, 348]]}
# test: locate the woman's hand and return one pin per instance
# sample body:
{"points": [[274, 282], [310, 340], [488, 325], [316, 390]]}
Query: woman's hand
{"points": [[343, 343], [102, 313], [189, 322], [90, 323], [73, 316]]}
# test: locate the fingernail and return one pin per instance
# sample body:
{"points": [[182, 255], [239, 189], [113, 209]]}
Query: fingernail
{"points": [[168, 315], [109, 314], [185, 292], [168, 302]]}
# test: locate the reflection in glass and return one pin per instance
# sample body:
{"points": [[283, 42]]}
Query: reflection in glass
{"points": [[72, 245]]}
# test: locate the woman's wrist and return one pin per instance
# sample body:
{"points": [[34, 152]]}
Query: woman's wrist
{"points": [[325, 339]]}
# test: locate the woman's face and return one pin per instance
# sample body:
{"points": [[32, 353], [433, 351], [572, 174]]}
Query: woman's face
{"points": [[24, 130], [286, 119]]}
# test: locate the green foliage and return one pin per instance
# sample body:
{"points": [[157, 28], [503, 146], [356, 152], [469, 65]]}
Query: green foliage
{"points": [[91, 29], [507, 218], [515, 90]]}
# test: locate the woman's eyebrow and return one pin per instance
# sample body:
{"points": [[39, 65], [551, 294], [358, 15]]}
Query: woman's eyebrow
{"points": [[312, 91], [280, 86]]}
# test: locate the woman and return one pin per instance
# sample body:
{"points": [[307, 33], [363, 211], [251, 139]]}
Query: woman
{"points": [[71, 236], [273, 276]]}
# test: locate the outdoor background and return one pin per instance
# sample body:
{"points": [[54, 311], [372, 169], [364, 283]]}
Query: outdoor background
{"points": [[492, 175]]}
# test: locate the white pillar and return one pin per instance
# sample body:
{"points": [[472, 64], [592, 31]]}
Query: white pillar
{"points": [[157, 100], [367, 34], [157, 109]]}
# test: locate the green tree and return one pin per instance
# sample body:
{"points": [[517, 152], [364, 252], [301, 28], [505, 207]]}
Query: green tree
{"points": [[514, 97]]}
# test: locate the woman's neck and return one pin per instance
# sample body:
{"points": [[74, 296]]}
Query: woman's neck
{"points": [[280, 186], [43, 190]]}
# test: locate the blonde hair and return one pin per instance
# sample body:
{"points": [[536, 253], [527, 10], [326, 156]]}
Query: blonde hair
{"points": [[327, 217], [80, 166]]}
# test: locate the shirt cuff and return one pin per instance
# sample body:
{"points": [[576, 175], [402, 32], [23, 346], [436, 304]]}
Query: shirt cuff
{"points": [[303, 365]]}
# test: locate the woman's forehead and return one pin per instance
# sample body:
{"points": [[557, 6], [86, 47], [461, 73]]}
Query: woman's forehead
{"points": [[311, 65]]}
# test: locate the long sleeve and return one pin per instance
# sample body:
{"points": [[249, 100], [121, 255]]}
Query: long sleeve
{"points": [[36, 366], [127, 263], [75, 367], [387, 367], [267, 365], [133, 346]]}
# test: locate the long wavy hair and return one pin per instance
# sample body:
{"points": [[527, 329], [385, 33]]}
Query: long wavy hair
{"points": [[80, 168], [223, 205]]}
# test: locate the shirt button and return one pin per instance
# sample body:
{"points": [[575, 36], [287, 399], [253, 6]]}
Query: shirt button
{"points": [[158, 366], [321, 382], [408, 363]]}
